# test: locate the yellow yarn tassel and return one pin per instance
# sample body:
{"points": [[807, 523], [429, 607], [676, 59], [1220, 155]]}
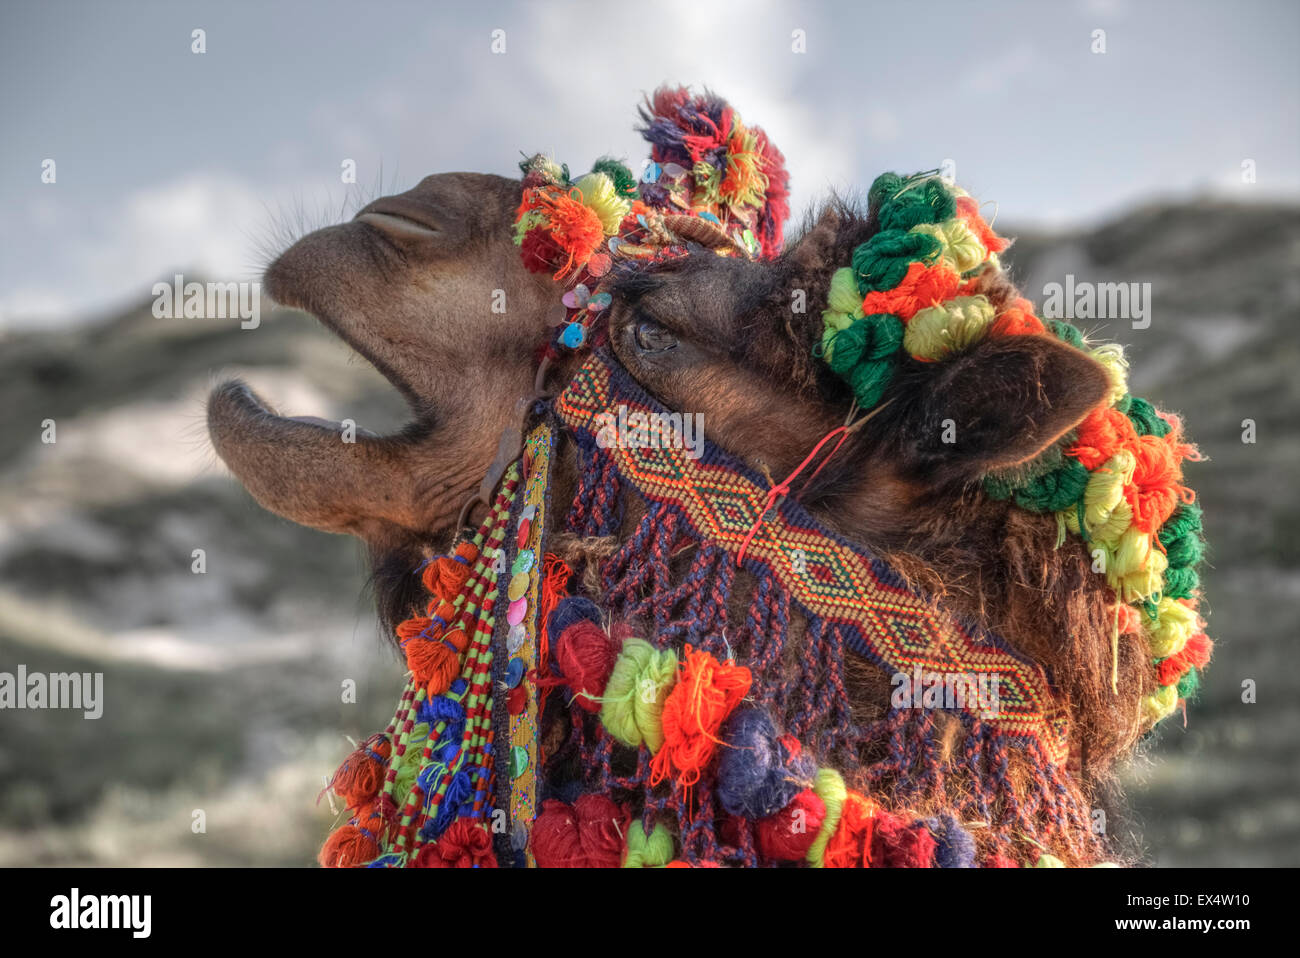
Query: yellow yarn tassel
{"points": [[1134, 569], [939, 330], [648, 851], [1111, 356], [1175, 624], [633, 704], [1106, 513], [957, 244], [1160, 705], [828, 785], [601, 196]]}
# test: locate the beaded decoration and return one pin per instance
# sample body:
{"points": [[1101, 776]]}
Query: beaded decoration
{"points": [[419, 793], [710, 181]]}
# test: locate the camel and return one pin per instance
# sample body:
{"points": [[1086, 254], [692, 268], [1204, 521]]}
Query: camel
{"points": [[927, 491]]}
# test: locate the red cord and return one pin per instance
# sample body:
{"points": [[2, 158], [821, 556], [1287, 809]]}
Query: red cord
{"points": [[783, 488]]}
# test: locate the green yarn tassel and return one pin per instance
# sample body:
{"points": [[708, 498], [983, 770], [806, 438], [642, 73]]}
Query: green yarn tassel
{"points": [[1066, 332], [1180, 583], [1189, 684], [881, 262], [882, 187], [648, 851], [1145, 419], [1055, 490], [929, 202], [624, 182], [865, 353]]}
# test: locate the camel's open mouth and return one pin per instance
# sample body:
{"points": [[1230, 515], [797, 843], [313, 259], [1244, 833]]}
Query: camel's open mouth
{"points": [[302, 279]]}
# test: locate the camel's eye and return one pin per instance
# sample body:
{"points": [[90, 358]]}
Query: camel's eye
{"points": [[653, 338]]}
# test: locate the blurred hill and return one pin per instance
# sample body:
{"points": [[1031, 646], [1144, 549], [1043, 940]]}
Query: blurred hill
{"points": [[223, 688], [1223, 346]]}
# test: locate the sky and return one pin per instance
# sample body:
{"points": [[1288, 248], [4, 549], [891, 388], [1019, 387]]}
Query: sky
{"points": [[167, 160]]}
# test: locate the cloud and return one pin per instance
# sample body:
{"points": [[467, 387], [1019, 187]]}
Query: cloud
{"points": [[202, 224]]}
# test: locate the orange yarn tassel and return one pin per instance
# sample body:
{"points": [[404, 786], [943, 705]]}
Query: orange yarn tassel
{"points": [[969, 210], [348, 847], [850, 846], [444, 577], [1156, 490], [1102, 433], [361, 775], [705, 694], [922, 287], [436, 662], [573, 226], [555, 585], [1017, 320], [351, 846]]}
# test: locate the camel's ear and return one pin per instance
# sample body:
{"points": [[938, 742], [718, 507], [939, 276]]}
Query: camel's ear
{"points": [[1003, 402], [818, 249]]}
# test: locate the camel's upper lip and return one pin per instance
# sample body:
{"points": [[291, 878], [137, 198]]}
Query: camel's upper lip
{"points": [[399, 216]]}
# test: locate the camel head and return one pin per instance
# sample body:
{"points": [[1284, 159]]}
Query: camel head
{"points": [[443, 292], [982, 434], [428, 286], [722, 337]]}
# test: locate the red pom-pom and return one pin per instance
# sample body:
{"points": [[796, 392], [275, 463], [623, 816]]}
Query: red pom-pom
{"points": [[589, 834], [895, 844], [540, 253], [554, 839], [585, 656], [602, 826], [787, 835], [465, 844]]}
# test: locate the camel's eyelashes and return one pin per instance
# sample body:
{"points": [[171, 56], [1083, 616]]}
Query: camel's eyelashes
{"points": [[653, 338]]}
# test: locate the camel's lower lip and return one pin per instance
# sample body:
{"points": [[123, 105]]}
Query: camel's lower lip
{"points": [[341, 427], [397, 225]]}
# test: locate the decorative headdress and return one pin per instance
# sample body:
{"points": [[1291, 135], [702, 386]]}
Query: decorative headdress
{"points": [[711, 181], [704, 742], [1116, 481]]}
